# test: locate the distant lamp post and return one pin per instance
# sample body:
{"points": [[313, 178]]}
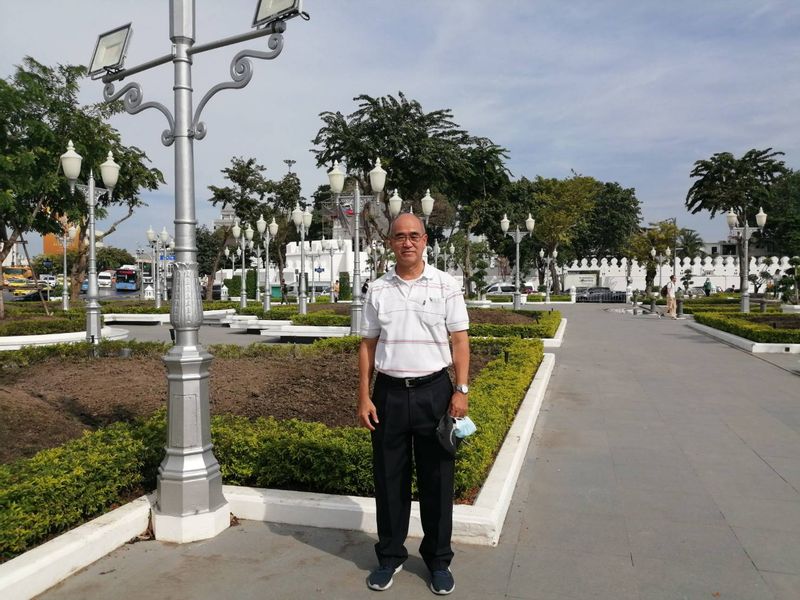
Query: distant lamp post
{"points": [[660, 259], [377, 180], [395, 204], [743, 235], [302, 221], [517, 236], [427, 207], [109, 172], [267, 232], [67, 235], [436, 250], [153, 239], [553, 255], [452, 250]]}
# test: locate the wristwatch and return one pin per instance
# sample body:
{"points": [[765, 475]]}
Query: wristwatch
{"points": [[463, 388]]}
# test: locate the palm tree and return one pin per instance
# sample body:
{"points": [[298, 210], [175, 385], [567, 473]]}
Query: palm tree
{"points": [[690, 242]]}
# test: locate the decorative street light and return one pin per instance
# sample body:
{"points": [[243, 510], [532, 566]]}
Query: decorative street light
{"points": [[331, 246], [743, 235], [67, 235], [444, 252], [166, 246], [660, 259], [109, 171], [267, 232], [189, 504], [452, 250], [517, 236], [313, 255], [153, 239], [302, 221], [436, 250], [377, 179], [243, 237]]}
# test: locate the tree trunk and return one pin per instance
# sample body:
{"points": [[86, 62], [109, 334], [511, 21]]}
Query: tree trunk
{"points": [[2, 291], [554, 278]]}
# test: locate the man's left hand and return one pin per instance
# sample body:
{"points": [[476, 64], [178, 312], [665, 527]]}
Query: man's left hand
{"points": [[459, 405]]}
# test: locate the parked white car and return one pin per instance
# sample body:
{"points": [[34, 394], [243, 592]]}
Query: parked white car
{"points": [[48, 279]]}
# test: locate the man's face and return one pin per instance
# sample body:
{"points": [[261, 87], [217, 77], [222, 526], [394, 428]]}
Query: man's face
{"points": [[408, 240]]}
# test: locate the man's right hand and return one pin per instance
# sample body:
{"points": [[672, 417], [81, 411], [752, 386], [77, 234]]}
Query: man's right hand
{"points": [[367, 414]]}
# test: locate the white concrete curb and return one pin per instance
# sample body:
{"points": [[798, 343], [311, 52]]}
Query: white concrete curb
{"points": [[481, 523], [39, 569], [555, 342], [744, 343], [15, 342]]}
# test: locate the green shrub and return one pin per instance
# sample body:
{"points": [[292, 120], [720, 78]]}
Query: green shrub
{"points": [[345, 289], [553, 298], [43, 325], [31, 355], [739, 324], [61, 487], [545, 328], [234, 284], [322, 318], [500, 298], [278, 312]]}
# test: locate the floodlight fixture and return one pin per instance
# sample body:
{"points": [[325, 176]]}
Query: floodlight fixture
{"points": [[110, 50], [269, 11]]}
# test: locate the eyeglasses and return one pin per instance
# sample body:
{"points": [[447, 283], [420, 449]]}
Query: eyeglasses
{"points": [[402, 238]]}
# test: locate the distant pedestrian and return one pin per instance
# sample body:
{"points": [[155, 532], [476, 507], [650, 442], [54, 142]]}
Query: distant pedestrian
{"points": [[284, 292], [672, 305], [336, 291], [364, 288], [707, 287]]}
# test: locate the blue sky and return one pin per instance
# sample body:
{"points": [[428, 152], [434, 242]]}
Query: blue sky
{"points": [[632, 91]]}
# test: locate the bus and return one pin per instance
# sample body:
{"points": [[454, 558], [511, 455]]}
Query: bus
{"points": [[16, 275], [129, 279]]}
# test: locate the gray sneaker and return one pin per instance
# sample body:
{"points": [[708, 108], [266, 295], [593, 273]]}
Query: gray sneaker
{"points": [[381, 578]]}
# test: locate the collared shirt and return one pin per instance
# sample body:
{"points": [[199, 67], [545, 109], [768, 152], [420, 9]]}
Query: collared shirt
{"points": [[671, 287], [411, 320]]}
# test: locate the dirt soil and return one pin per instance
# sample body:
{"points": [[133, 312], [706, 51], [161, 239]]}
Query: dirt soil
{"points": [[46, 404]]}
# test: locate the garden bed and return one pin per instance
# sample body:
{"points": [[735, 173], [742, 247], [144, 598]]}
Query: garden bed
{"points": [[761, 328]]}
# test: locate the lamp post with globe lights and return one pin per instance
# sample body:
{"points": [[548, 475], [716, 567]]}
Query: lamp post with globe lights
{"points": [[302, 221], [743, 234], [517, 236], [547, 260], [67, 235], [377, 179], [435, 250], [242, 237], [267, 232], [109, 172]]}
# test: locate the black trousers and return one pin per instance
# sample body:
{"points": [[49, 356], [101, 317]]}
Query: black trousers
{"points": [[407, 424]]}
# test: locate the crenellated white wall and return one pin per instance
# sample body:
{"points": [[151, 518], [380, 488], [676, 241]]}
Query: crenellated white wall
{"points": [[722, 271]]}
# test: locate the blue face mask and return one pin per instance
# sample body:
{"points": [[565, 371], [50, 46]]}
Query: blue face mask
{"points": [[464, 427]]}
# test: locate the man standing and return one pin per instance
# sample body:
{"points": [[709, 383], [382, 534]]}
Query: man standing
{"points": [[407, 316], [335, 290], [672, 287]]}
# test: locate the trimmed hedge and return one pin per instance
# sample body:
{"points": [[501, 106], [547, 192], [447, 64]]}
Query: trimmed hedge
{"points": [[43, 325], [31, 355], [322, 318], [739, 324], [62, 487], [500, 298], [545, 328], [59, 488], [553, 298]]}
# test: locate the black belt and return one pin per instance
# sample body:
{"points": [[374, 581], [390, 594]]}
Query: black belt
{"points": [[410, 382]]}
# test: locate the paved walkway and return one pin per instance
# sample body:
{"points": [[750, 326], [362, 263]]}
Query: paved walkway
{"points": [[665, 465]]}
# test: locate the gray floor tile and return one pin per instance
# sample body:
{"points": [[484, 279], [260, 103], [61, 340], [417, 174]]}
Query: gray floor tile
{"points": [[573, 441], [771, 550], [760, 481], [547, 572], [663, 477], [784, 586], [567, 530], [787, 468], [644, 505], [744, 511], [597, 501], [686, 543], [666, 580]]}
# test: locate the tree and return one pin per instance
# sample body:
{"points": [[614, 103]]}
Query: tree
{"points": [[252, 195], [420, 151], [209, 246], [39, 113], [690, 244], [658, 236], [110, 258], [615, 216], [782, 231], [740, 184]]}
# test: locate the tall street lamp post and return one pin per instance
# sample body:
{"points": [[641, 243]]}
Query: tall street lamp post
{"points": [[109, 172], [517, 236], [660, 259], [152, 238], [67, 235], [377, 179], [548, 261], [743, 234], [189, 503], [302, 221], [242, 238], [267, 232]]}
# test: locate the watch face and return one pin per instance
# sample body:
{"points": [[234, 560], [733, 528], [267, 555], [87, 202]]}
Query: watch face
{"points": [[464, 389]]}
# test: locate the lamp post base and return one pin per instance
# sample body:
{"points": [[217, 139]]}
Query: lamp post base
{"points": [[190, 528], [517, 301]]}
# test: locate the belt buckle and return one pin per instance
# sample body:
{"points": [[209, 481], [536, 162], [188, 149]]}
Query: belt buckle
{"points": [[407, 381]]}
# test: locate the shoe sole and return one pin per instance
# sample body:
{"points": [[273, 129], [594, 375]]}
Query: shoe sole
{"points": [[378, 588]]}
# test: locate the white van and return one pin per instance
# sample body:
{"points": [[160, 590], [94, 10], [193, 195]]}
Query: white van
{"points": [[105, 279]]}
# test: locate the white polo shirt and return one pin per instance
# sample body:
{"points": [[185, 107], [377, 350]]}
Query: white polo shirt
{"points": [[411, 320]]}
